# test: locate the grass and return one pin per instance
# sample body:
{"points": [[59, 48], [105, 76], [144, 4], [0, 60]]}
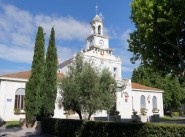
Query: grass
{"points": [[168, 118], [12, 124]]}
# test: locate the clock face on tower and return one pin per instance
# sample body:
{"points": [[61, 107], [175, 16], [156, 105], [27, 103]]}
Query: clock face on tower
{"points": [[101, 42]]}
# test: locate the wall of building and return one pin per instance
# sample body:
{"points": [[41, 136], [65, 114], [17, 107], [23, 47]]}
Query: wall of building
{"points": [[130, 99], [127, 100], [59, 110], [7, 99], [124, 104], [106, 60], [136, 95]]}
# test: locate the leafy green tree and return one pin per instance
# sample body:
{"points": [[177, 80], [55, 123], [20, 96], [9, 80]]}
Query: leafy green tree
{"points": [[145, 76], [86, 90], [107, 89], [33, 96], [159, 38], [49, 88], [173, 90]]}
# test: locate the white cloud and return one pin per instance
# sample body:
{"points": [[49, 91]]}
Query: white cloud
{"points": [[125, 36], [127, 69], [18, 30], [125, 55], [127, 66], [15, 54], [66, 27], [65, 53]]}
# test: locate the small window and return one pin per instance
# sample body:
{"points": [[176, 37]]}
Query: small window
{"points": [[154, 102], [114, 69], [19, 99], [143, 102], [99, 29]]}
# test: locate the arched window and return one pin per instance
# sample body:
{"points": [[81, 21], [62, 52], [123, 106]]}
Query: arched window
{"points": [[154, 102], [143, 102], [19, 98], [99, 29]]}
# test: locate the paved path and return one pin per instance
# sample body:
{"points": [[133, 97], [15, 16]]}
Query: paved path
{"points": [[18, 132]]}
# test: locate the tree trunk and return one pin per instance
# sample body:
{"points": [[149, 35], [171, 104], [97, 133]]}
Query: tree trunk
{"points": [[79, 113], [89, 117]]}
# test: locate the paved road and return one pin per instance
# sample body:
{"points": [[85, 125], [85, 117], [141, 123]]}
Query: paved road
{"points": [[18, 132]]}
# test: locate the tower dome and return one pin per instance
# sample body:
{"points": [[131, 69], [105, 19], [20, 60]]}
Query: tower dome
{"points": [[97, 18]]}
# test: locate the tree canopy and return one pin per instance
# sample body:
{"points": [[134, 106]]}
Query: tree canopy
{"points": [[86, 90], [33, 96], [159, 38], [173, 90], [49, 88]]}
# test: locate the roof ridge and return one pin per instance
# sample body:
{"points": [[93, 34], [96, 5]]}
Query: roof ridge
{"points": [[25, 75], [140, 86], [15, 73]]}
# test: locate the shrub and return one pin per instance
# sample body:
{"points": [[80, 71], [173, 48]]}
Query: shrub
{"points": [[61, 127], [77, 128], [175, 114]]}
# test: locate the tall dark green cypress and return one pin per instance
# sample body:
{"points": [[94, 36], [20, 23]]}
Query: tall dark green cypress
{"points": [[33, 86], [50, 84]]}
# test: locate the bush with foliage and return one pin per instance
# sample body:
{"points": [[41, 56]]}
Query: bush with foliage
{"points": [[61, 127], [79, 128], [175, 114]]}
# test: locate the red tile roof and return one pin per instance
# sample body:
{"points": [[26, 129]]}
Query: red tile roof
{"points": [[27, 74], [139, 86], [24, 75]]}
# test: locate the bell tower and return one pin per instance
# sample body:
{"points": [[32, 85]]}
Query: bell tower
{"points": [[97, 25], [97, 38], [98, 51]]}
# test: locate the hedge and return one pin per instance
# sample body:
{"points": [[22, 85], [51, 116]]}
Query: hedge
{"points": [[61, 127], [78, 128], [175, 114]]}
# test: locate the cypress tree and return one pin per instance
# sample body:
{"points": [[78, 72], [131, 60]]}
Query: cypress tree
{"points": [[33, 86], [50, 84]]}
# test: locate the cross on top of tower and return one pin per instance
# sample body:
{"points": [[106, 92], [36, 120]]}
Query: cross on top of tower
{"points": [[96, 8]]}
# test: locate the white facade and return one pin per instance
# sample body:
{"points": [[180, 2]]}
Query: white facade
{"points": [[129, 100], [129, 97], [8, 88]]}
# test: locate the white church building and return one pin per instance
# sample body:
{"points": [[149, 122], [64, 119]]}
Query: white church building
{"points": [[130, 97]]}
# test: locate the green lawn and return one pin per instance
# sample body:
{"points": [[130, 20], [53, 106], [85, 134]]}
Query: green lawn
{"points": [[168, 118], [12, 124]]}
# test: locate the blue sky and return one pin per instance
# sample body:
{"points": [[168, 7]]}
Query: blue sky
{"points": [[19, 21]]}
